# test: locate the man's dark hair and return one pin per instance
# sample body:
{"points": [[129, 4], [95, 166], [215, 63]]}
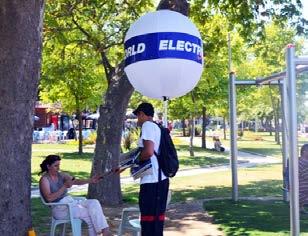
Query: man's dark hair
{"points": [[146, 108]]}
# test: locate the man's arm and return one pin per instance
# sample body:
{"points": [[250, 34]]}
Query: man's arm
{"points": [[147, 151]]}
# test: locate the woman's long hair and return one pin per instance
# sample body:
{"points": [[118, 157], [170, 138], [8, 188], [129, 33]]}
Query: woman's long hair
{"points": [[49, 160]]}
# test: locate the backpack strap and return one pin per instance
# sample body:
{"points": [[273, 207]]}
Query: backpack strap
{"points": [[157, 156]]}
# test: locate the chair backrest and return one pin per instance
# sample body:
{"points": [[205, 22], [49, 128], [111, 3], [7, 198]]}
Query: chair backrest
{"points": [[43, 199], [75, 222], [49, 204]]}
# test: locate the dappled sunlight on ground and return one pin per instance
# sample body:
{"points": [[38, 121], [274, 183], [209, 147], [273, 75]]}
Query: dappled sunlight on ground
{"points": [[189, 219]]}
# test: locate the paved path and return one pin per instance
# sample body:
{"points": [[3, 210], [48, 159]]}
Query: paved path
{"points": [[189, 218]]}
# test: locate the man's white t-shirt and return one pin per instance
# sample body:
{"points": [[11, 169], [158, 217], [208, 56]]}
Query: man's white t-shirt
{"points": [[151, 132]]}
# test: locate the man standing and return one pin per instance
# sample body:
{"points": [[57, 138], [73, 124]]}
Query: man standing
{"points": [[153, 187], [303, 177]]}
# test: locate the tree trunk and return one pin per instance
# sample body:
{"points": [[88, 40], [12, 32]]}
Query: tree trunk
{"points": [[74, 128], [276, 120], [79, 115], [192, 135], [225, 130], [20, 60], [112, 115], [256, 124], [107, 150], [183, 127], [270, 127], [203, 127], [193, 131]]}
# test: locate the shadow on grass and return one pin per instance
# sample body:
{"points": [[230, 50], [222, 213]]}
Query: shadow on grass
{"points": [[250, 217], [258, 189], [202, 162], [69, 156], [253, 217], [40, 215], [267, 151], [75, 156], [202, 158], [244, 217], [197, 150], [130, 195]]}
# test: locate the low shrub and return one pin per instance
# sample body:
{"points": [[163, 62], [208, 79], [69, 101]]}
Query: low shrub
{"points": [[91, 139], [130, 138]]}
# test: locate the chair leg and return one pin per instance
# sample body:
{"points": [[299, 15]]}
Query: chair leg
{"points": [[63, 229], [76, 227], [135, 233], [120, 229], [52, 229]]}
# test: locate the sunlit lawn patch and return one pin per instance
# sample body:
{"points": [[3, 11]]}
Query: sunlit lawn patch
{"points": [[80, 165], [253, 217]]}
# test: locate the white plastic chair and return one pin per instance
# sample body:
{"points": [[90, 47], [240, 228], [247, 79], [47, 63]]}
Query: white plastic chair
{"points": [[133, 224], [75, 223], [125, 225]]}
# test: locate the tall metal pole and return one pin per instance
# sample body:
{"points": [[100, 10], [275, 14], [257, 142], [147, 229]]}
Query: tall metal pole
{"points": [[165, 121], [229, 54], [233, 135], [284, 109], [294, 206]]}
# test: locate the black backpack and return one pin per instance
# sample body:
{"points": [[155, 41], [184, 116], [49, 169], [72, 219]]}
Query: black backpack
{"points": [[167, 156]]}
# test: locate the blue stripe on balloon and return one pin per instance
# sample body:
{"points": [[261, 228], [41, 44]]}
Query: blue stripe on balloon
{"points": [[152, 51]]}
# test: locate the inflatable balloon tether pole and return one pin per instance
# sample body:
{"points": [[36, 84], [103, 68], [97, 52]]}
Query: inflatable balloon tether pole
{"points": [[165, 99]]}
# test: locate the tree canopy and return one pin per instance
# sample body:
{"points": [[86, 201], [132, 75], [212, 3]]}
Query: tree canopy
{"points": [[97, 29]]}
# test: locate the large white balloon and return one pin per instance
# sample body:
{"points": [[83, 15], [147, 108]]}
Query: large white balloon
{"points": [[163, 54]]}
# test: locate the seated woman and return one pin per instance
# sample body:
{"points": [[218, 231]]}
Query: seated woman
{"points": [[217, 145], [53, 187]]}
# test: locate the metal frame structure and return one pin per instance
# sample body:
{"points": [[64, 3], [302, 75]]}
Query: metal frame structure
{"points": [[287, 82]]}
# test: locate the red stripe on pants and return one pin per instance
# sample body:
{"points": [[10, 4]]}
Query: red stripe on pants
{"points": [[152, 218]]}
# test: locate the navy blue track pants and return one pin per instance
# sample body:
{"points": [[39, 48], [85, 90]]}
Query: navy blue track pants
{"points": [[152, 204]]}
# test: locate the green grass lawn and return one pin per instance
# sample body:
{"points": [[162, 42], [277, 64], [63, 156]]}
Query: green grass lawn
{"points": [[80, 165], [267, 146], [40, 216], [246, 217], [72, 163], [202, 157], [259, 181], [243, 218], [256, 142]]}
